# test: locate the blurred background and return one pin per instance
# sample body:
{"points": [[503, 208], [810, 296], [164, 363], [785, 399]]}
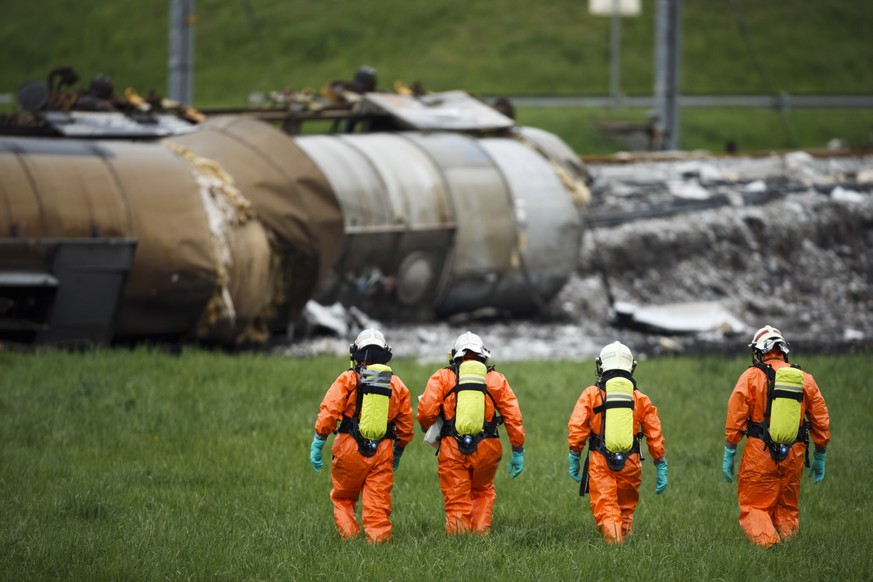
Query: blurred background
{"points": [[674, 173], [803, 68]]}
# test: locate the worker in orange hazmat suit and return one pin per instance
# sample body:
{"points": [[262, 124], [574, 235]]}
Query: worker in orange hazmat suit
{"points": [[779, 407], [471, 400], [612, 416], [371, 405]]}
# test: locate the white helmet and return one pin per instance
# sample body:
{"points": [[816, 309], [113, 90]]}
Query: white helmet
{"points": [[469, 342], [615, 356], [370, 337], [766, 338], [370, 347]]}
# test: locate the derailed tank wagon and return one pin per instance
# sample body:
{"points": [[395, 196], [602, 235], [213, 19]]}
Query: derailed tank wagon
{"points": [[411, 208], [198, 250]]}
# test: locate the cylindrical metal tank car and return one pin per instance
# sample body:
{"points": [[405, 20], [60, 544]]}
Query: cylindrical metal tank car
{"points": [[441, 223], [203, 267], [421, 209], [289, 194]]}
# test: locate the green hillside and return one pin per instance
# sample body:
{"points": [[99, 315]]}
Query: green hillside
{"points": [[500, 47]]}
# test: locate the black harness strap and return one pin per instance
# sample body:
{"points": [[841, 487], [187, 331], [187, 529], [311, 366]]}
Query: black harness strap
{"points": [[787, 394], [770, 373], [610, 374], [615, 404], [583, 484], [366, 446], [474, 387], [375, 390], [759, 431]]}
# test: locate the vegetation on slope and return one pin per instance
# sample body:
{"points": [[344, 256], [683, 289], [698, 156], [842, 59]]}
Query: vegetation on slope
{"points": [[493, 48]]}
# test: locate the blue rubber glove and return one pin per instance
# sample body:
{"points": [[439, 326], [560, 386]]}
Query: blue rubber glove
{"points": [[817, 470], [516, 464], [398, 452], [661, 481], [727, 465], [315, 452], [574, 466]]}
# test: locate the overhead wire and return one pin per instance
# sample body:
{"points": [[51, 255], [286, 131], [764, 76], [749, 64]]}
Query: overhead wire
{"points": [[765, 78], [266, 55]]}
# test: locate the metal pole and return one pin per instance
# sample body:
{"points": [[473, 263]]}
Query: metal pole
{"points": [[181, 60], [667, 64], [615, 54], [659, 92], [675, 67]]}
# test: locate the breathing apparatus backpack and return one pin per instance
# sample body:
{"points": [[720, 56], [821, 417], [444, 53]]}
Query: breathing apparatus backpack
{"points": [[369, 425], [616, 440], [783, 424], [468, 426]]}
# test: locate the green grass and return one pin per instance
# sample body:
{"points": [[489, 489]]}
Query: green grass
{"points": [[710, 128], [143, 465], [502, 47]]}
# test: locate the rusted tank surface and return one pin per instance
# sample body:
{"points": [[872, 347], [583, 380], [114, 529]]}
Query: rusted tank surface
{"points": [[397, 220], [289, 194], [441, 223], [203, 266]]}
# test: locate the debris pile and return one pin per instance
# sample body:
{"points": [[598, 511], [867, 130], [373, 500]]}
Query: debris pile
{"points": [[789, 247], [693, 254]]}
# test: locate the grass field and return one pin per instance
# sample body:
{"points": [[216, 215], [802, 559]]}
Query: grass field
{"points": [[752, 130], [141, 465]]}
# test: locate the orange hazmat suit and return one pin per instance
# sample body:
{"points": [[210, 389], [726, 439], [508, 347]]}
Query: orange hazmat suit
{"points": [[467, 481], [614, 495], [769, 492], [354, 475]]}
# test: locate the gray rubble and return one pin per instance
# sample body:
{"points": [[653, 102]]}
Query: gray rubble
{"points": [[691, 254]]}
